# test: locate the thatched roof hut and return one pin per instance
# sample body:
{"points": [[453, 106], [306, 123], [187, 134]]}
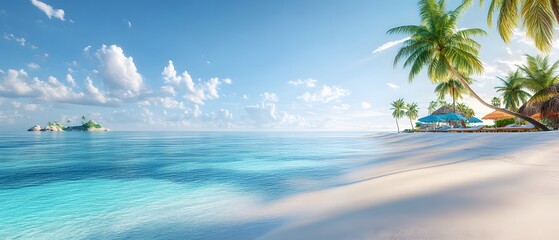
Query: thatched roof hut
{"points": [[446, 109]]}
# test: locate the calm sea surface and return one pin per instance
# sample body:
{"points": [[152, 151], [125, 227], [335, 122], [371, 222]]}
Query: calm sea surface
{"points": [[186, 185]]}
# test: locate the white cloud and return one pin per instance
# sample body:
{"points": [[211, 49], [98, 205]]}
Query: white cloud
{"points": [[21, 41], [70, 80], [392, 85], [33, 66], [245, 97], [170, 103], [86, 48], [389, 45], [129, 23], [119, 72], [342, 107], [170, 74], [48, 10], [307, 82], [17, 84], [365, 105], [227, 81], [226, 114], [196, 93], [325, 94], [269, 97], [30, 107]]}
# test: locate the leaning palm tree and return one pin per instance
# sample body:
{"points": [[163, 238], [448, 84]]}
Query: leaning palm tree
{"points": [[448, 53], [512, 91], [538, 17], [453, 88], [540, 77], [398, 110], [412, 112]]}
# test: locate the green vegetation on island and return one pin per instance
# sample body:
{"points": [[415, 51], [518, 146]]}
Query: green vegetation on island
{"points": [[89, 126]]}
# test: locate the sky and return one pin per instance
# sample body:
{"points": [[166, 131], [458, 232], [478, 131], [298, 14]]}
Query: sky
{"points": [[222, 65]]}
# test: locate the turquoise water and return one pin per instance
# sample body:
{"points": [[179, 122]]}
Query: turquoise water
{"points": [[187, 185]]}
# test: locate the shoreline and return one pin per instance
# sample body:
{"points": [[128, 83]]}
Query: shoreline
{"points": [[436, 186]]}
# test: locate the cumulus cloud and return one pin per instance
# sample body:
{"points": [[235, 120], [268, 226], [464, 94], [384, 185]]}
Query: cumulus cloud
{"points": [[21, 41], [269, 97], [325, 94], [227, 81], [86, 48], [307, 82], [392, 85], [18, 84], [48, 10], [33, 66], [171, 103], [365, 105], [389, 45], [70, 80], [119, 72], [196, 93], [342, 107]]}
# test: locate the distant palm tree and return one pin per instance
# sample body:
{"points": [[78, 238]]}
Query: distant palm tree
{"points": [[540, 77], [83, 119], [433, 105], [453, 88], [412, 111], [495, 101], [538, 17], [398, 110], [468, 112], [448, 53], [512, 91]]}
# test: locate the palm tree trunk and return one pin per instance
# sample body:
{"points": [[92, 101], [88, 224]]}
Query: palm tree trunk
{"points": [[411, 124], [474, 94], [398, 126], [555, 8]]}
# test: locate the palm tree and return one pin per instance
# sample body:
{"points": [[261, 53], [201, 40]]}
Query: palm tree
{"points": [[539, 77], [412, 112], [512, 91], [398, 110], [451, 87], [468, 112], [433, 105], [539, 18], [83, 119], [495, 101], [448, 53]]}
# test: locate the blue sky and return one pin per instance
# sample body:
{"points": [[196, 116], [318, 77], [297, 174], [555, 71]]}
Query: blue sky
{"points": [[220, 65]]}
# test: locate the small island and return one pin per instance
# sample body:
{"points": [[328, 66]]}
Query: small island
{"points": [[89, 126]]}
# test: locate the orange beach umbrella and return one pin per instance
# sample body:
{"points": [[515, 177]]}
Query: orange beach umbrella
{"points": [[496, 115]]}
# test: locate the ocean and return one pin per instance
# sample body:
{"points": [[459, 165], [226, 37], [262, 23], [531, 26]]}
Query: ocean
{"points": [[163, 185]]}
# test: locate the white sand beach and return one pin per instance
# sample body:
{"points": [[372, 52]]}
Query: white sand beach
{"points": [[437, 186]]}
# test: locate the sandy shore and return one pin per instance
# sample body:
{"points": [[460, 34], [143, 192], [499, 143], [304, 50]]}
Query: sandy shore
{"points": [[437, 186]]}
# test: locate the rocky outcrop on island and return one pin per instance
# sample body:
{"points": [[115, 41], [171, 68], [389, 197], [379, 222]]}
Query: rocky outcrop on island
{"points": [[35, 128], [89, 126]]}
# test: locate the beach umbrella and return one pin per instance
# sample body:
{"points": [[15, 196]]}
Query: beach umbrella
{"points": [[496, 115], [430, 119], [474, 120], [453, 117]]}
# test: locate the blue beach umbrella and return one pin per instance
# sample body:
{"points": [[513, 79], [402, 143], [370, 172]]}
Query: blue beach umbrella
{"points": [[453, 117], [430, 119], [474, 120]]}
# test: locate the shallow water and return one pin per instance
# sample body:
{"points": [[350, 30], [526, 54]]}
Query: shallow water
{"points": [[165, 185]]}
